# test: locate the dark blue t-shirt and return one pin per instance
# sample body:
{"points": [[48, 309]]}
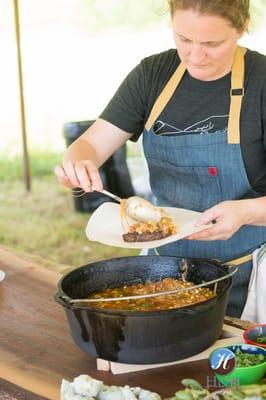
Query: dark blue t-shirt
{"points": [[197, 107]]}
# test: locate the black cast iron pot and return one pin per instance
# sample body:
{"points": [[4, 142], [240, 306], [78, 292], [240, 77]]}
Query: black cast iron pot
{"points": [[143, 337]]}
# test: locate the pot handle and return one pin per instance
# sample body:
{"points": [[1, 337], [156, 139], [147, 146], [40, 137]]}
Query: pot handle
{"points": [[62, 299], [66, 301]]}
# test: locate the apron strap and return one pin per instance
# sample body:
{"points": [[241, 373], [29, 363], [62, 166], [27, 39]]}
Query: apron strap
{"points": [[165, 95], [236, 95], [240, 260]]}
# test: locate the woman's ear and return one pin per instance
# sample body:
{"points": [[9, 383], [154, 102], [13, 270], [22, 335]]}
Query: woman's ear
{"points": [[245, 29], [241, 34]]}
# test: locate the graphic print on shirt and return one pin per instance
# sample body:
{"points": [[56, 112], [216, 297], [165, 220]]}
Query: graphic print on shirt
{"points": [[212, 124]]}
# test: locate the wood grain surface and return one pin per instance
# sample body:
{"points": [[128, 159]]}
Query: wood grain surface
{"points": [[9, 391], [37, 351]]}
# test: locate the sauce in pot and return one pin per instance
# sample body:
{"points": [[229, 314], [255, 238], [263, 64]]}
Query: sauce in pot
{"points": [[163, 302]]}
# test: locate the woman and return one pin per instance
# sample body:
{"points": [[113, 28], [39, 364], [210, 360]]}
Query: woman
{"points": [[201, 110]]}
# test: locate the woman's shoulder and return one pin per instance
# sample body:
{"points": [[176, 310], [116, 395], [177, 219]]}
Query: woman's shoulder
{"points": [[161, 63], [169, 55], [158, 68], [256, 63]]}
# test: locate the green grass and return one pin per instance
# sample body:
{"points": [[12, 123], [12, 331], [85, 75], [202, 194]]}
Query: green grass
{"points": [[44, 222], [41, 162]]}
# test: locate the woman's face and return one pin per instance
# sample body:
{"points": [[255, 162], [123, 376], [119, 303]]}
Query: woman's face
{"points": [[205, 43]]}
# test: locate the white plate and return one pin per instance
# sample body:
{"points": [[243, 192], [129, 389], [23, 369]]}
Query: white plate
{"points": [[2, 275], [105, 226]]}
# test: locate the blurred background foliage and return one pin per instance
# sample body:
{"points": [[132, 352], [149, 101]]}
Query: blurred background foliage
{"points": [[136, 14], [139, 14], [258, 14]]}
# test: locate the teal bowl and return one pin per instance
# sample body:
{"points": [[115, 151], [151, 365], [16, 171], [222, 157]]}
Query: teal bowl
{"points": [[244, 375]]}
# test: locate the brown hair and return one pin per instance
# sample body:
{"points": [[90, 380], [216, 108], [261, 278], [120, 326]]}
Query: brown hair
{"points": [[235, 11]]}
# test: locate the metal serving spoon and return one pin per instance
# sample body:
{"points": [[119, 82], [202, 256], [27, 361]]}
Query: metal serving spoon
{"points": [[79, 192], [109, 194], [136, 207]]}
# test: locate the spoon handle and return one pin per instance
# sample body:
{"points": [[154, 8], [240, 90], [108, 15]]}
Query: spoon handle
{"points": [[113, 196]]}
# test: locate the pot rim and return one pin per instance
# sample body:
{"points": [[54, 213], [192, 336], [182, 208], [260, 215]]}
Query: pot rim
{"points": [[63, 299]]}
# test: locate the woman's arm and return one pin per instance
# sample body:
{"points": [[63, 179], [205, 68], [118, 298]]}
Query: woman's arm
{"points": [[229, 216], [83, 158], [257, 213]]}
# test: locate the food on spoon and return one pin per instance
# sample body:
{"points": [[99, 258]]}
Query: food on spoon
{"points": [[84, 387], [155, 303], [141, 210], [152, 222]]}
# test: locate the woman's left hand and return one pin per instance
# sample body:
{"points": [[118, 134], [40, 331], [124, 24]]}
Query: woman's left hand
{"points": [[227, 218]]}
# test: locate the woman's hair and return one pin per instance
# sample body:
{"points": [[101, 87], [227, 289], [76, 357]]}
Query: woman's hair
{"points": [[235, 11]]}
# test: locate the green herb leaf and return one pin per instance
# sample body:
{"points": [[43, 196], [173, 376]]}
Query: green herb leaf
{"points": [[182, 395], [192, 384]]}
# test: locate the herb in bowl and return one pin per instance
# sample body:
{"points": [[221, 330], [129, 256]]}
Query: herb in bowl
{"points": [[261, 339], [194, 391], [247, 359]]}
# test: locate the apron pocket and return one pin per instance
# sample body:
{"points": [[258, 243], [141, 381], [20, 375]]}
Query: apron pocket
{"points": [[191, 187]]}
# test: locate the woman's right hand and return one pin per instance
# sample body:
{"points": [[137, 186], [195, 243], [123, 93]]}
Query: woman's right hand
{"points": [[83, 174], [83, 157]]}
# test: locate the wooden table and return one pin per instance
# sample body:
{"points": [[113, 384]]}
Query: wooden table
{"points": [[36, 349]]}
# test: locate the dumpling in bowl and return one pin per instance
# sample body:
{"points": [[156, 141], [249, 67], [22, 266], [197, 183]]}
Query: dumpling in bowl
{"points": [[67, 392], [87, 386], [117, 393], [84, 387], [143, 394]]}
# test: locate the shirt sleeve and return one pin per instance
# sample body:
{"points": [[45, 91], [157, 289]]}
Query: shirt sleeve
{"points": [[128, 107], [264, 117]]}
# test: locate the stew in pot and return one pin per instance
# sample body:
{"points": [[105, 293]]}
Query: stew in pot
{"points": [[163, 302]]}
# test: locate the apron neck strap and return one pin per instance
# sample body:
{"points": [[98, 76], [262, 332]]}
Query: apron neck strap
{"points": [[165, 95], [236, 95]]}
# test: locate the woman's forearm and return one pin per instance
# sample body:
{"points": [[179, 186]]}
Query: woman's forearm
{"points": [[80, 150], [83, 158], [256, 211], [97, 144]]}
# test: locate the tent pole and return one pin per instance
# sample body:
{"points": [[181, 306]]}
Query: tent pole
{"points": [[26, 166]]}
